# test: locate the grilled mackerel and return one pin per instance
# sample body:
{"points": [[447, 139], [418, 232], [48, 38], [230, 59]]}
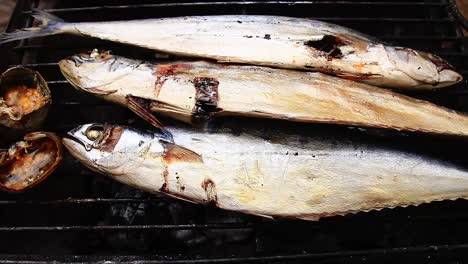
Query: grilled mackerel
{"points": [[267, 40], [197, 91], [268, 172]]}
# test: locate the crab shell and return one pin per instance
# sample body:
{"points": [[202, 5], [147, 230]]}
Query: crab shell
{"points": [[24, 99], [29, 162]]}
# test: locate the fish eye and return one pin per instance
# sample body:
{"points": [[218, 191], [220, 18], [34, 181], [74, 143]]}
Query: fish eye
{"points": [[94, 132]]}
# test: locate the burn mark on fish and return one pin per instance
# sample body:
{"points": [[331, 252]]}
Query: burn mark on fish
{"points": [[165, 175], [163, 71], [248, 36], [158, 84], [171, 69], [206, 98], [172, 154], [267, 36], [210, 190], [329, 44], [111, 138], [357, 76]]}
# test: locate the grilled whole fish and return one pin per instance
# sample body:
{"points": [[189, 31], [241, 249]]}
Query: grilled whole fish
{"points": [[194, 91], [267, 40], [275, 174]]}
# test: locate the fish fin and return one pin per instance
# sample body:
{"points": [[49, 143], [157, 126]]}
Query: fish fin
{"points": [[176, 153], [50, 25], [140, 106], [99, 91]]}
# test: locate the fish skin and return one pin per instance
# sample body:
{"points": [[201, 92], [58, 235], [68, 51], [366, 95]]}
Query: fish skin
{"points": [[276, 41], [196, 91], [304, 175]]}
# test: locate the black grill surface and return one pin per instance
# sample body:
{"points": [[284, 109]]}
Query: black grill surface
{"points": [[77, 216]]}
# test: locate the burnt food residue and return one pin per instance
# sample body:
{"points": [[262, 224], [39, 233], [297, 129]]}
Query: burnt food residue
{"points": [[329, 44], [206, 98]]}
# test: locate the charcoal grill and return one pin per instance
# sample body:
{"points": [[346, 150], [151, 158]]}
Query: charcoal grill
{"points": [[76, 216]]}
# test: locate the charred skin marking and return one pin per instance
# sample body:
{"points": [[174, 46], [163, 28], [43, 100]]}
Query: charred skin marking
{"points": [[158, 84], [206, 99], [329, 44], [111, 138], [267, 36], [164, 186], [172, 154], [357, 76], [210, 189], [171, 69], [163, 71]]}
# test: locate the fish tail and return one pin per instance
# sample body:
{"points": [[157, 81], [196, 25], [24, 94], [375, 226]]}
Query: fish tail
{"points": [[50, 25]]}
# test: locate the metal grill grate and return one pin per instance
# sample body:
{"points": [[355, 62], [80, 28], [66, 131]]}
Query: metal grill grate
{"points": [[77, 216]]}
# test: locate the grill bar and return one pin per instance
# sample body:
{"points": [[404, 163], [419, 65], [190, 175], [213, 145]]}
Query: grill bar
{"points": [[140, 259], [57, 82], [81, 201], [126, 227], [244, 3]]}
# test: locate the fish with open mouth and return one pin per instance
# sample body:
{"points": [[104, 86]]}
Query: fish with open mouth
{"points": [[285, 42], [197, 91], [268, 173]]}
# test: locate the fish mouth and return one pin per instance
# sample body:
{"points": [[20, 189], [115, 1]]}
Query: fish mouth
{"points": [[64, 66], [425, 70], [67, 138], [72, 144], [64, 69], [447, 73], [448, 77], [70, 137]]}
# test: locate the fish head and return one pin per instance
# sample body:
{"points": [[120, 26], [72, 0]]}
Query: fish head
{"points": [[95, 72], [425, 69], [114, 150]]}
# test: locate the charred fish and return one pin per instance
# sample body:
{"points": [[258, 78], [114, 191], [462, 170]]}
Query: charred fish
{"points": [[269, 174], [197, 91], [285, 42]]}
